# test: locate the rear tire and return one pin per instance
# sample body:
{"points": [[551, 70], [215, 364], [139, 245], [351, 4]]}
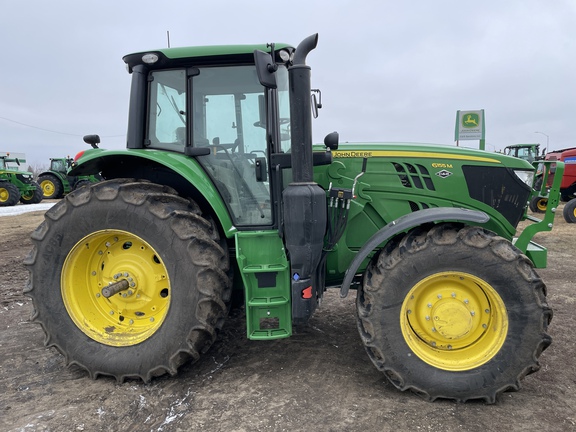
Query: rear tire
{"points": [[9, 194], [173, 263], [569, 211], [51, 186], [455, 313], [82, 183]]}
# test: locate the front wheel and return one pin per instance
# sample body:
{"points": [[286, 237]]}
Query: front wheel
{"points": [[538, 204], [128, 279], [569, 211], [33, 196], [453, 312]]}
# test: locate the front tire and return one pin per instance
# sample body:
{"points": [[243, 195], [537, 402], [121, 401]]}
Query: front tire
{"points": [[158, 244], [569, 211], [453, 312], [538, 204], [34, 196]]}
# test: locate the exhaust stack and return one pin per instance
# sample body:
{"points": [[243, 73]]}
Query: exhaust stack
{"points": [[304, 201]]}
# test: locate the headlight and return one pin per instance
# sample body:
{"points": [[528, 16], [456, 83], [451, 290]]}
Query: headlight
{"points": [[284, 55], [150, 58], [526, 176]]}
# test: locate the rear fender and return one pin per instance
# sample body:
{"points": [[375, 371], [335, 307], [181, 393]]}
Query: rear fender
{"points": [[61, 177], [176, 170], [406, 223]]}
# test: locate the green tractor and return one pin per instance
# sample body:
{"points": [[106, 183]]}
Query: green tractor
{"points": [[55, 182], [529, 152], [17, 185], [220, 191]]}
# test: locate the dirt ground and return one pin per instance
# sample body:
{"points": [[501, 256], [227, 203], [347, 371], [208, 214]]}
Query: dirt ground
{"points": [[319, 380]]}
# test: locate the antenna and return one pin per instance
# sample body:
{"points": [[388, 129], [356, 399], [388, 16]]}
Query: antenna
{"points": [[168, 37]]}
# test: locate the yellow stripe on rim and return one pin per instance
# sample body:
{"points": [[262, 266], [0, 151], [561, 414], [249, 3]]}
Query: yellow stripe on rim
{"points": [[454, 321]]}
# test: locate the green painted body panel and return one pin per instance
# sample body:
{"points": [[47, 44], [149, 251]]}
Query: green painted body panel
{"points": [[382, 196], [214, 50]]}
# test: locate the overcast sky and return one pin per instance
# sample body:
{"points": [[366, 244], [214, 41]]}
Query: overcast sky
{"points": [[388, 70]]}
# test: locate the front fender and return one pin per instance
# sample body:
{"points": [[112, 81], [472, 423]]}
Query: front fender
{"points": [[405, 223]]}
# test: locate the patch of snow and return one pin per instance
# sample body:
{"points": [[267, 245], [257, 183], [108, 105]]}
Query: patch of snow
{"points": [[24, 208]]}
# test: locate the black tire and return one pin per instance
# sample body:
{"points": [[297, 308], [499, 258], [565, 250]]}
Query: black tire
{"points": [[569, 211], [82, 183], [456, 258], [9, 194], [538, 204], [538, 183], [32, 197], [51, 186], [171, 238]]}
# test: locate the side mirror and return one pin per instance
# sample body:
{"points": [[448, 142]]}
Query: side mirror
{"points": [[93, 140], [265, 68]]}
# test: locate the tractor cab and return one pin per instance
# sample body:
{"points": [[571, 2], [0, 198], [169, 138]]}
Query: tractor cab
{"points": [[528, 152], [218, 112]]}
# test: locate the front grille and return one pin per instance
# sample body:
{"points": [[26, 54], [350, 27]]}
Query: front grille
{"points": [[499, 188]]}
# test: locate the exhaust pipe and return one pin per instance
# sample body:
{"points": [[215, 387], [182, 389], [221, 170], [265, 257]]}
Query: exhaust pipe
{"points": [[303, 200], [301, 112]]}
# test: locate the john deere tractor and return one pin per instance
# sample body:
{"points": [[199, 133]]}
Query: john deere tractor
{"points": [[55, 182], [16, 185], [545, 177], [529, 152], [221, 191]]}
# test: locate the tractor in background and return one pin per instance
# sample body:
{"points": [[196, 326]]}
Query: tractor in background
{"points": [[545, 178], [55, 182], [17, 186], [220, 190], [528, 152]]}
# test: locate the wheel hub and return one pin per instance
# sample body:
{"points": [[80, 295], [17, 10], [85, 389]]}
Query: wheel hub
{"points": [[115, 288], [454, 320]]}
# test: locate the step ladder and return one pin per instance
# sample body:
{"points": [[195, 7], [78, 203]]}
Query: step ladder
{"points": [[265, 272]]}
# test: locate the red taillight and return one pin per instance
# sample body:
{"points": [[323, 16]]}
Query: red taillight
{"points": [[79, 155], [307, 293]]}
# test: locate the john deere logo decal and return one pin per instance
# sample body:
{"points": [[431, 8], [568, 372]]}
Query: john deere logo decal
{"points": [[443, 174], [471, 120]]}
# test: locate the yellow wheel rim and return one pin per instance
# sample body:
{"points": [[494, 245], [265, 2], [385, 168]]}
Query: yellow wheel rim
{"points": [[454, 321], [47, 187], [541, 204], [4, 195], [114, 258]]}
